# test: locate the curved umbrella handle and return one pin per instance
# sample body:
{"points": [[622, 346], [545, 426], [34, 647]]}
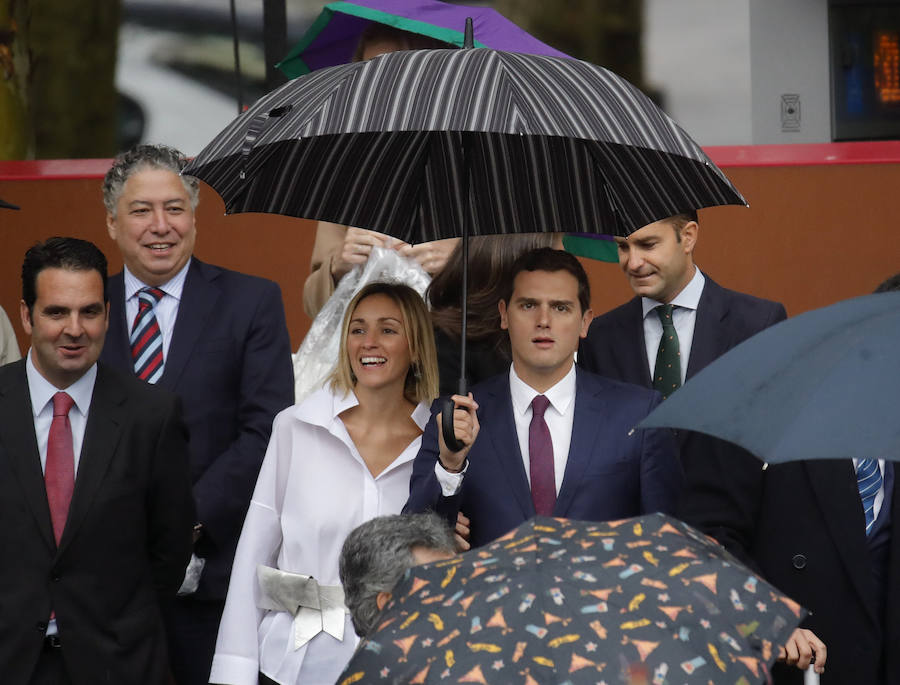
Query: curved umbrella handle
{"points": [[453, 444]]}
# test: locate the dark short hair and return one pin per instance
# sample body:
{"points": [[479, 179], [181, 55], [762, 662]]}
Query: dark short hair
{"points": [[143, 157], [378, 552], [889, 285], [73, 254], [548, 259]]}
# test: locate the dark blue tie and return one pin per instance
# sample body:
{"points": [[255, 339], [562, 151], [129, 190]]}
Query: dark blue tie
{"points": [[868, 479]]}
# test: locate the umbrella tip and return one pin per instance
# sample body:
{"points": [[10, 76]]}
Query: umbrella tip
{"points": [[469, 40]]}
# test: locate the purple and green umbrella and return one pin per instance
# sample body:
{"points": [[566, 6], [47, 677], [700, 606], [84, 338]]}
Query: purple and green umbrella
{"points": [[333, 37]]}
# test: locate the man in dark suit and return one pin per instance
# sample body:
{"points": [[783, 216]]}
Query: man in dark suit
{"points": [[546, 438], [95, 496], [709, 319], [224, 349]]}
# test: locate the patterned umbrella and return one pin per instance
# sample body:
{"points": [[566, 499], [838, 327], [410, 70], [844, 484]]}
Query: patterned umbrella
{"points": [[640, 600], [334, 35], [432, 144]]}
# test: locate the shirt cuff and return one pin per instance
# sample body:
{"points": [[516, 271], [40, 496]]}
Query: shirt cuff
{"points": [[229, 669], [450, 482]]}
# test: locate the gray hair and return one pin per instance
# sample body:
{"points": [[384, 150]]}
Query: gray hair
{"points": [[144, 157], [377, 553]]}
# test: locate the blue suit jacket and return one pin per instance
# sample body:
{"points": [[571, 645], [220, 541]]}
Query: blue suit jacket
{"points": [[612, 472], [230, 362]]}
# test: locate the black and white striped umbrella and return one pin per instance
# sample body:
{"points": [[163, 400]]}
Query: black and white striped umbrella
{"points": [[403, 143]]}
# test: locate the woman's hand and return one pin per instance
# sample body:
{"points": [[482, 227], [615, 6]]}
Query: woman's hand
{"points": [[432, 256], [358, 244]]}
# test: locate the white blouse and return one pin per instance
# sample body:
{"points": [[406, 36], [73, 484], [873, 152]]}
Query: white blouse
{"points": [[313, 489]]}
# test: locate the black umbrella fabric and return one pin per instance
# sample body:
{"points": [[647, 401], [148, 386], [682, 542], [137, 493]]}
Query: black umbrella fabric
{"points": [[7, 205], [639, 600], [417, 144]]}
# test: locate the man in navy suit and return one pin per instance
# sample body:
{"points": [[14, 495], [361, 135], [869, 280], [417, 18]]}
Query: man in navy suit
{"points": [[581, 459], [225, 352]]}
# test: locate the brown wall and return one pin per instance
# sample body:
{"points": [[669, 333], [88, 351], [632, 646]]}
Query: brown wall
{"points": [[813, 235]]}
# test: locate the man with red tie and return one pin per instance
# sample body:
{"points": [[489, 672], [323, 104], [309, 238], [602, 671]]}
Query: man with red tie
{"points": [[546, 438], [95, 495]]}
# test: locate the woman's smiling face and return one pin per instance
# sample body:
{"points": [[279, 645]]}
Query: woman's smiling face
{"points": [[377, 343]]}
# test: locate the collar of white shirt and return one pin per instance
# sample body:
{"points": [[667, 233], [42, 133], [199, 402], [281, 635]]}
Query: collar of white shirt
{"points": [[318, 410], [42, 390], [688, 298], [172, 288], [560, 395]]}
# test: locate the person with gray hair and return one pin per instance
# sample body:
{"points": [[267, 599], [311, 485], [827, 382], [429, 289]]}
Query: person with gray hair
{"points": [[216, 338], [377, 553]]}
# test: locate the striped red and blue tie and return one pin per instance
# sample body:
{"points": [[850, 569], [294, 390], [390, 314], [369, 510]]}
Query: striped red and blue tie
{"points": [[146, 338]]}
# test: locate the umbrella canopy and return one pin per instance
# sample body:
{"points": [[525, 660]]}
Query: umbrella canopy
{"points": [[7, 205], [821, 385], [567, 602], [415, 144], [333, 37]]}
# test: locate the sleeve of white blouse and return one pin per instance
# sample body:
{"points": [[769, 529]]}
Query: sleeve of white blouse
{"points": [[236, 661]]}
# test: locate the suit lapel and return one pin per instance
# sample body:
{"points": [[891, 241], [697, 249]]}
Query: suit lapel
{"points": [[633, 357], [101, 435], [706, 344], [500, 426], [198, 300], [18, 441], [834, 484], [117, 346], [590, 412]]}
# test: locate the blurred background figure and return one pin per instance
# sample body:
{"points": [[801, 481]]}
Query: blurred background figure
{"points": [[341, 457], [377, 554], [9, 346], [337, 248]]}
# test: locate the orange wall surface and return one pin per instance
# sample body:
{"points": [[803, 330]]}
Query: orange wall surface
{"points": [[822, 226]]}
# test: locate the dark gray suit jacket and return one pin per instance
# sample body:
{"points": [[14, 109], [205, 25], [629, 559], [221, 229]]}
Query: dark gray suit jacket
{"points": [[125, 545]]}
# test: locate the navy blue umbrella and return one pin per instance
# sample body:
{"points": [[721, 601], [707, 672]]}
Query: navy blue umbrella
{"points": [[821, 385]]}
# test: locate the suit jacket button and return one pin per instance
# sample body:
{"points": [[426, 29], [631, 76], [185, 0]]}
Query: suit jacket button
{"points": [[55, 577], [799, 561], [42, 627]]}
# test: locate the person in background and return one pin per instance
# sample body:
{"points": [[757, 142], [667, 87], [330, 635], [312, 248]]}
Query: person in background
{"points": [[9, 346], [337, 248], [341, 457], [95, 497], [378, 552], [216, 338], [490, 259], [546, 438]]}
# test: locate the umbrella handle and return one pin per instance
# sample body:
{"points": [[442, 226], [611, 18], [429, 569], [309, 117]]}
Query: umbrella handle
{"points": [[453, 444]]}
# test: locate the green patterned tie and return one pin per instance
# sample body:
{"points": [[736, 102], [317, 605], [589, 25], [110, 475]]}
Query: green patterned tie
{"points": [[667, 374]]}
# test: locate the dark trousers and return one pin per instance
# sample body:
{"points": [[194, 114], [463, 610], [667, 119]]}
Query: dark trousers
{"points": [[50, 668], [191, 628]]}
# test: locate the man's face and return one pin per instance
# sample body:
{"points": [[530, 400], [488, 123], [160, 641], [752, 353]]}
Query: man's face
{"points": [[68, 324], [656, 263], [545, 322], [153, 225]]}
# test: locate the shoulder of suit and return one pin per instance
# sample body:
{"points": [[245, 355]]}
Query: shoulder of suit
{"points": [[596, 383], [229, 277], [616, 316], [12, 372], [130, 386]]}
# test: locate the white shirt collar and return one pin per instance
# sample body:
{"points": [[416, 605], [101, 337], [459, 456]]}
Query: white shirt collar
{"points": [[560, 395], [173, 287], [42, 390], [317, 411], [688, 298]]}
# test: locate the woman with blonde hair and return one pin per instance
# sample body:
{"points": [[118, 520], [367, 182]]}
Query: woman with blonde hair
{"points": [[341, 457]]}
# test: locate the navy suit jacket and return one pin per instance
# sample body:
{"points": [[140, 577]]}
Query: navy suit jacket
{"points": [[615, 347], [612, 472], [230, 362]]}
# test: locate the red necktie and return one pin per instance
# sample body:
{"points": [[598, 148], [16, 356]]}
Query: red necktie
{"points": [[540, 457], [59, 471]]}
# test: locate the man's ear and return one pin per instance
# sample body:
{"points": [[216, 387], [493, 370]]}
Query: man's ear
{"points": [[689, 234], [501, 306], [111, 227], [586, 322], [25, 315], [382, 598]]}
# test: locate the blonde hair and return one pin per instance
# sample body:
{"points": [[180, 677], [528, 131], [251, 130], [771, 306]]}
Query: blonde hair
{"points": [[422, 378]]}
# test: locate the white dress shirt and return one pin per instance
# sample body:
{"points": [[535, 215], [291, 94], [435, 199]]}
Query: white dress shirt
{"points": [[313, 489], [684, 316], [42, 391], [559, 415], [166, 310], [879, 496]]}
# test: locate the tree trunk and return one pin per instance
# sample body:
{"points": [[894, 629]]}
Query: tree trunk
{"points": [[16, 132], [72, 94], [604, 32]]}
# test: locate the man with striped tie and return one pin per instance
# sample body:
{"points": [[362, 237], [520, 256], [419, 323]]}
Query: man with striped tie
{"points": [[218, 339], [95, 498]]}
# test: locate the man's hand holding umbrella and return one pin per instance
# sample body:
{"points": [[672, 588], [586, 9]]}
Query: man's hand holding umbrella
{"points": [[465, 426]]}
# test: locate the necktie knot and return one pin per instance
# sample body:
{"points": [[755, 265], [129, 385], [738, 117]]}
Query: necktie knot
{"points": [[664, 312], [148, 297], [539, 405], [62, 403]]}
